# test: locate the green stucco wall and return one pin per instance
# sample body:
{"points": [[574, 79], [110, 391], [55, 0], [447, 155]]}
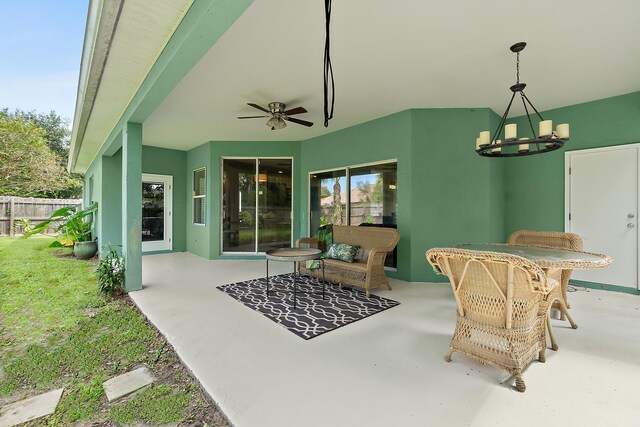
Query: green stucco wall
{"points": [[111, 200], [382, 139], [95, 172], [446, 193], [107, 178], [456, 193], [162, 161], [198, 237], [535, 184]]}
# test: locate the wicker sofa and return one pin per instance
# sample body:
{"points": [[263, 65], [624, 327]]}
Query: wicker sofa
{"points": [[367, 273]]}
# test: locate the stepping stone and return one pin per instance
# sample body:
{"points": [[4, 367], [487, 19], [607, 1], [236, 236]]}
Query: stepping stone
{"points": [[125, 384], [30, 409]]}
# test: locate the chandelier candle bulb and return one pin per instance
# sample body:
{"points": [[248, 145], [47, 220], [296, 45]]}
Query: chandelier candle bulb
{"points": [[545, 128], [523, 148], [497, 149], [477, 143], [510, 131], [562, 131], [484, 137]]}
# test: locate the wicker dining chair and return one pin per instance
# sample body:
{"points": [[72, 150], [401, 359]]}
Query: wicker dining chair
{"points": [[502, 307], [553, 239]]}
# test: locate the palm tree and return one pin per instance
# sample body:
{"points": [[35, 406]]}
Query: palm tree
{"points": [[337, 202], [364, 188]]}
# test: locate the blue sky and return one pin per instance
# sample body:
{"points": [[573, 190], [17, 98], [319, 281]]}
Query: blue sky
{"points": [[40, 48]]}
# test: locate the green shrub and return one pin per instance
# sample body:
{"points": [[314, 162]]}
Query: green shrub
{"points": [[111, 272], [246, 218]]}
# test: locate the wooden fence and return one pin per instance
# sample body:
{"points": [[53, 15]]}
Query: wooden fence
{"points": [[13, 209]]}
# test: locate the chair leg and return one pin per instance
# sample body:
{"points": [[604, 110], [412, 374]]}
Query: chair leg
{"points": [[541, 356], [389, 286], [447, 357], [554, 346], [519, 381]]}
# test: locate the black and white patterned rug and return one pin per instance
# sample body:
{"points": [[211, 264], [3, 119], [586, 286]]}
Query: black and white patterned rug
{"points": [[313, 316]]}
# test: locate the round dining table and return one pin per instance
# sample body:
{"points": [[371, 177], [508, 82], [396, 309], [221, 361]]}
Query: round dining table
{"points": [[550, 260], [546, 257]]}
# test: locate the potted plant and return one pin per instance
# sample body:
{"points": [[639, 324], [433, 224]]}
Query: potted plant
{"points": [[75, 228]]}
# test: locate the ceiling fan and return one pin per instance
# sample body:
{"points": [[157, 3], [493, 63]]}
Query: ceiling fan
{"points": [[278, 115]]}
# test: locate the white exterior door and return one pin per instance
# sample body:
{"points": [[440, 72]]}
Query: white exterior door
{"points": [[157, 192], [602, 202]]}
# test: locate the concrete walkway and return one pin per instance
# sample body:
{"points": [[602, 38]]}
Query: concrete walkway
{"points": [[387, 370]]}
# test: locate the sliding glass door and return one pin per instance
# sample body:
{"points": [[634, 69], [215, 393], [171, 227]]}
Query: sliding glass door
{"points": [[256, 204], [362, 195]]}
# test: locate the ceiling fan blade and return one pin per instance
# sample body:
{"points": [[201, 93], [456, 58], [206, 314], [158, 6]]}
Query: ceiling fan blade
{"points": [[298, 121], [252, 117], [297, 110], [258, 107]]}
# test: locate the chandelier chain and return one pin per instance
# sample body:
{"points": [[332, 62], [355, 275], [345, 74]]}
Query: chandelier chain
{"points": [[518, 67]]}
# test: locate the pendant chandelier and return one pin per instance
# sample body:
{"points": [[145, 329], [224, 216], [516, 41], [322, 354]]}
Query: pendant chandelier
{"points": [[544, 141]]}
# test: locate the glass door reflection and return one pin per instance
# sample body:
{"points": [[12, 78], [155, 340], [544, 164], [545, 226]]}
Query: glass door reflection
{"points": [[152, 211], [239, 205], [156, 212], [256, 205], [274, 203]]}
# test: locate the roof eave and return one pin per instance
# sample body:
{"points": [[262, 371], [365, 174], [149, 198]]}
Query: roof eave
{"points": [[102, 20]]}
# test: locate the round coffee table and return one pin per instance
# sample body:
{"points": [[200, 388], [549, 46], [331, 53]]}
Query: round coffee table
{"points": [[295, 255]]}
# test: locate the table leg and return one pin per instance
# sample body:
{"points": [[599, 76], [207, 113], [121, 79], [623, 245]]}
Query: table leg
{"points": [[294, 285], [324, 281], [267, 278]]}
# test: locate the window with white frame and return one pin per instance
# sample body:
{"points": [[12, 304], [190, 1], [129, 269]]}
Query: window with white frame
{"points": [[199, 196]]}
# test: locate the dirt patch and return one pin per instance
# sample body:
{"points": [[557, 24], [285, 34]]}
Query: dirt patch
{"points": [[169, 369]]}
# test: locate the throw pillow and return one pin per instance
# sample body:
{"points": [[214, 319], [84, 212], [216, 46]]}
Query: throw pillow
{"points": [[342, 252], [362, 255]]}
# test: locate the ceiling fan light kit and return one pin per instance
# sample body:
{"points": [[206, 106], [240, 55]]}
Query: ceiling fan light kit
{"points": [[279, 115], [276, 123], [546, 140]]}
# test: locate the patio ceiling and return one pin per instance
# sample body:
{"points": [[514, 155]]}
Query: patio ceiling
{"points": [[392, 56], [387, 57]]}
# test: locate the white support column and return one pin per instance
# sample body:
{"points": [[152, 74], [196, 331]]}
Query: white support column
{"points": [[132, 205]]}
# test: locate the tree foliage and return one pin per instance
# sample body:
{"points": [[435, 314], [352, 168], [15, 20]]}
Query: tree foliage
{"points": [[28, 166], [56, 128]]}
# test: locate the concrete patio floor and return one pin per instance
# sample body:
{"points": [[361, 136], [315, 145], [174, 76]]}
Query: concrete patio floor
{"points": [[388, 369]]}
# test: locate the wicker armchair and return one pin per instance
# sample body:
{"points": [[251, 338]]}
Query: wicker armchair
{"points": [[552, 239], [502, 307]]}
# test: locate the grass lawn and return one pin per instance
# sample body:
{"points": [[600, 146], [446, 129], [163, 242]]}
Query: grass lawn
{"points": [[57, 331], [247, 236]]}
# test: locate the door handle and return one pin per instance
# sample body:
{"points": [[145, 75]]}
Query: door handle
{"points": [[630, 216], [630, 225]]}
